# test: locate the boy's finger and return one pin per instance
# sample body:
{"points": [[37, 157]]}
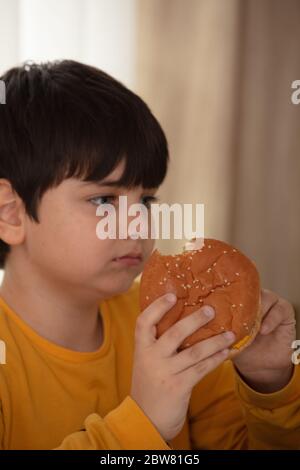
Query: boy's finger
{"points": [[169, 342], [200, 351], [145, 331], [194, 374], [280, 314], [271, 321], [268, 300]]}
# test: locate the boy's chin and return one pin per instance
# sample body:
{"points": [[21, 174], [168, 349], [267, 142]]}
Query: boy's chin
{"points": [[119, 285]]}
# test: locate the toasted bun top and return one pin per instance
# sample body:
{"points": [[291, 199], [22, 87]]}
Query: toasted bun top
{"points": [[218, 275]]}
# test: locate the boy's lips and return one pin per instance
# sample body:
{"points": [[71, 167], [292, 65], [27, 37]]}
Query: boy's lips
{"points": [[130, 259]]}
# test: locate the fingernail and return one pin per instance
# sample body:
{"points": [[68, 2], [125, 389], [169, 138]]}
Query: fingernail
{"points": [[208, 311], [171, 298], [228, 335]]}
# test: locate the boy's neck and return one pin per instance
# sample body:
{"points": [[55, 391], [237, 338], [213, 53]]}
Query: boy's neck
{"points": [[53, 312]]}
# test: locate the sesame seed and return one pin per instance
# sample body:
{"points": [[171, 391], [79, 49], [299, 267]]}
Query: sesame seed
{"points": [[190, 257], [182, 275], [209, 269], [214, 264], [225, 252], [201, 300], [213, 290], [185, 303], [203, 288], [245, 324], [177, 275], [233, 305], [188, 286], [197, 287], [176, 265], [194, 281], [222, 328], [177, 259], [241, 305], [209, 246], [225, 280], [234, 250], [194, 303], [160, 283], [147, 297], [237, 274], [188, 268], [165, 278], [167, 264]]}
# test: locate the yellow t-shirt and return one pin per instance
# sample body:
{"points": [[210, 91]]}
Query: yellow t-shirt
{"points": [[52, 397]]}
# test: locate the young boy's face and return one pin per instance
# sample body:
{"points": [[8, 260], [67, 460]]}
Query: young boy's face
{"points": [[64, 246]]}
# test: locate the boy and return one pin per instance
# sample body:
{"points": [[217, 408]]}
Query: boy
{"points": [[83, 368]]}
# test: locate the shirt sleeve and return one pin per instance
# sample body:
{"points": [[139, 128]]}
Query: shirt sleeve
{"points": [[225, 413], [273, 419], [125, 427], [216, 418]]}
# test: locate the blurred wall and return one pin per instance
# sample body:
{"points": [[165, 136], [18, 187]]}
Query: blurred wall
{"points": [[218, 76], [98, 32]]}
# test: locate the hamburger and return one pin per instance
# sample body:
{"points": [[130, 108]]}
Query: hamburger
{"points": [[215, 274]]}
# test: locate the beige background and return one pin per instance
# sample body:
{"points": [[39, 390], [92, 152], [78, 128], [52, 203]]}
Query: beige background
{"points": [[218, 76]]}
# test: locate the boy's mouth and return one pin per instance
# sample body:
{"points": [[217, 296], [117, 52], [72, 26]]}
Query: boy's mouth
{"points": [[130, 259]]}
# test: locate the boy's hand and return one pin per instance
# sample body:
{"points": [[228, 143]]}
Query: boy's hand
{"points": [[162, 378], [266, 365]]}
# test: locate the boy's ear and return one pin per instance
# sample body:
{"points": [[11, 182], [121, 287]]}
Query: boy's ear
{"points": [[11, 214]]}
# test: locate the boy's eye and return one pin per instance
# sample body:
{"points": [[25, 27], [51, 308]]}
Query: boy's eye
{"points": [[98, 200], [102, 199]]}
